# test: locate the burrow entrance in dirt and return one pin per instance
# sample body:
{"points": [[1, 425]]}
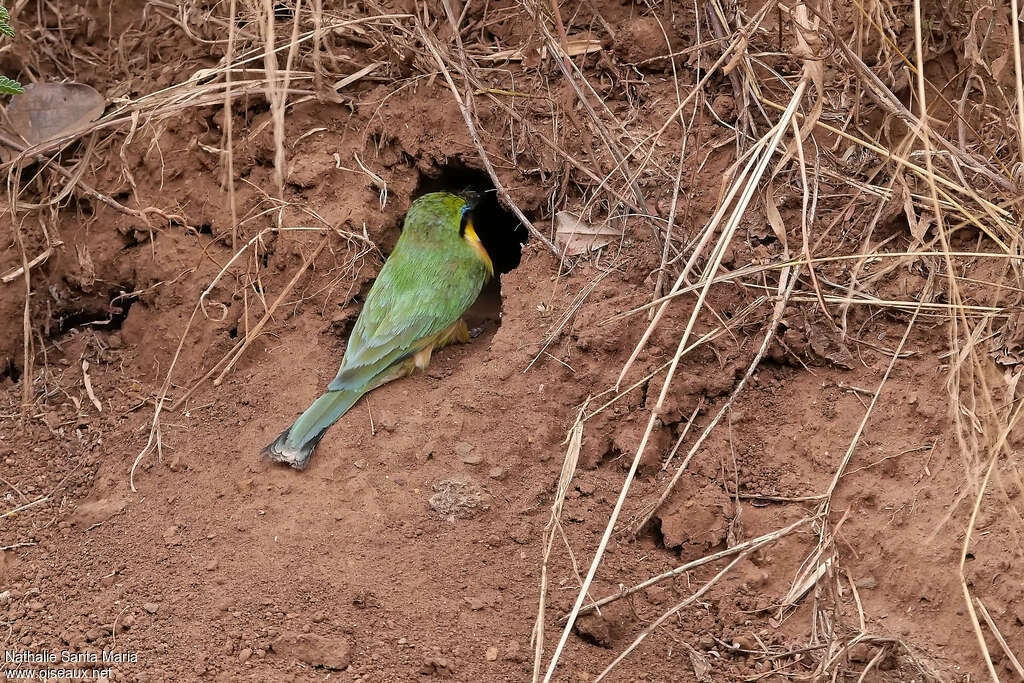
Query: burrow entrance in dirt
{"points": [[500, 231]]}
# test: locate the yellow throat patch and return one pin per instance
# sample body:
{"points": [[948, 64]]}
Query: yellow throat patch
{"points": [[470, 236]]}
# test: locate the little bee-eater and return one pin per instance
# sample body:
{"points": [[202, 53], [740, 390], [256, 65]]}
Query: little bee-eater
{"points": [[415, 306]]}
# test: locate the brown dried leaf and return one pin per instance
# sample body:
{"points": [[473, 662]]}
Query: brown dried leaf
{"points": [[50, 110], [575, 237], [737, 56], [971, 44], [999, 65], [1011, 348], [918, 225], [774, 216], [701, 665]]}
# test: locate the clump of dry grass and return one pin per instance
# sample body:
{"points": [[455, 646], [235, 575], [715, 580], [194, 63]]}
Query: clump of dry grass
{"points": [[946, 186], [236, 77]]}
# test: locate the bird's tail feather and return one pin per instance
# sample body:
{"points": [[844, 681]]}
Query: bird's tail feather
{"points": [[296, 443]]}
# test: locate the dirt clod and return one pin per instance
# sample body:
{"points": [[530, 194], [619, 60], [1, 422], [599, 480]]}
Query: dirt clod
{"points": [[96, 511], [459, 498], [436, 665], [642, 41], [698, 520], [596, 629], [320, 651]]}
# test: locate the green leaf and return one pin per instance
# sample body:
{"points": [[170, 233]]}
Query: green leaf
{"points": [[10, 87]]}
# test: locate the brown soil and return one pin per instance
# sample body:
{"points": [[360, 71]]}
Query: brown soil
{"points": [[411, 548]]}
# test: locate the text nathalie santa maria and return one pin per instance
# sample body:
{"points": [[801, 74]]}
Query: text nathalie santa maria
{"points": [[69, 657]]}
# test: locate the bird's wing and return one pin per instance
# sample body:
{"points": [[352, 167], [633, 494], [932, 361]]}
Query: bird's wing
{"points": [[417, 294]]}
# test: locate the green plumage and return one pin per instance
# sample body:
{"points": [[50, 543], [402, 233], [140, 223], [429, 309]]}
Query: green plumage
{"points": [[433, 275]]}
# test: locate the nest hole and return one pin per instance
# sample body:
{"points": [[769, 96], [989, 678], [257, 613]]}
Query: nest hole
{"points": [[96, 313]]}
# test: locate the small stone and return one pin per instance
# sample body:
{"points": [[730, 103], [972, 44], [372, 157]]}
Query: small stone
{"points": [[475, 604], [171, 536], [127, 621], [462, 449], [861, 653], [656, 595], [403, 641], [491, 654], [35, 606], [386, 421], [319, 617], [72, 637], [513, 652], [212, 565], [244, 655], [745, 642], [360, 464], [151, 607], [597, 629], [437, 665], [427, 452], [497, 473]]}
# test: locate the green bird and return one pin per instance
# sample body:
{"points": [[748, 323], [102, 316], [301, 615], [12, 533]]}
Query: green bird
{"points": [[415, 306]]}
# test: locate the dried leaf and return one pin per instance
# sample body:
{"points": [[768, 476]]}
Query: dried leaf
{"points": [[774, 216], [88, 387], [999, 65], [1010, 350], [701, 665], [50, 110], [811, 574], [583, 46], [826, 344], [580, 44], [918, 226], [738, 54], [575, 237], [971, 44]]}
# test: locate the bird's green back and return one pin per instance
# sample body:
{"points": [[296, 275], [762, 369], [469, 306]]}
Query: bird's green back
{"points": [[433, 275]]}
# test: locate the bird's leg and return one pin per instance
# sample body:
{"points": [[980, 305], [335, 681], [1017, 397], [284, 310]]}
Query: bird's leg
{"points": [[462, 331], [456, 332], [421, 359]]}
